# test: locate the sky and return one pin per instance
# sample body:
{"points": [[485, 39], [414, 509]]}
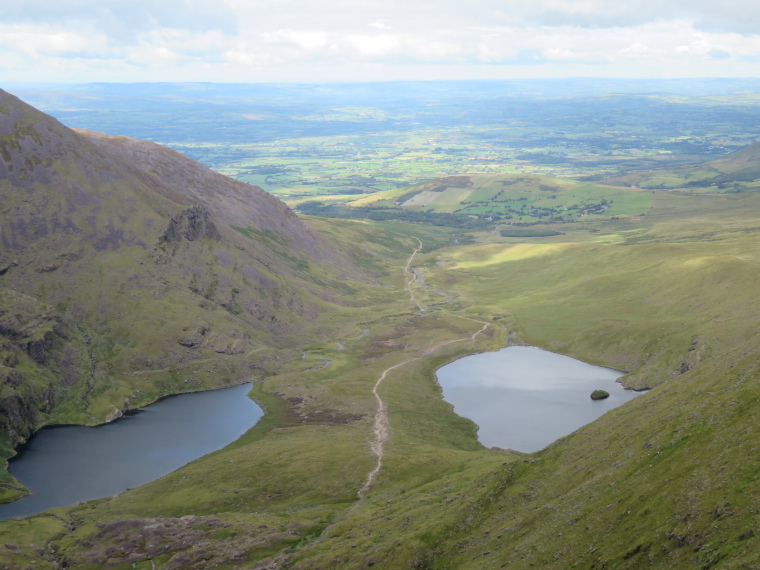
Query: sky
{"points": [[78, 41]]}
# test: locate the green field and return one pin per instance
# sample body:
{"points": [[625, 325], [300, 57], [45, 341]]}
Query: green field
{"points": [[732, 174], [514, 198]]}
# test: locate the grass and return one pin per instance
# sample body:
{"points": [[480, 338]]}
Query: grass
{"points": [[663, 480], [667, 468]]}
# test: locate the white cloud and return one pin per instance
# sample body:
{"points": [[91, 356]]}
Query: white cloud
{"points": [[379, 46], [121, 19], [307, 41], [47, 41], [295, 39]]}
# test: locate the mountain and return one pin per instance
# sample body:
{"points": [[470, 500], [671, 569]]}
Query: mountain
{"points": [[128, 271]]}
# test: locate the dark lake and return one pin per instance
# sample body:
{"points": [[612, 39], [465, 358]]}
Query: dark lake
{"points": [[69, 464], [524, 398]]}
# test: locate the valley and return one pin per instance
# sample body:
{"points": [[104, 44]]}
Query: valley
{"points": [[162, 277]]}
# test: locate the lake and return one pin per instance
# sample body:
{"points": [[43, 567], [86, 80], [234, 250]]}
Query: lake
{"points": [[524, 398], [65, 465]]}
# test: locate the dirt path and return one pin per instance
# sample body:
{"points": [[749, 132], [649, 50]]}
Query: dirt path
{"points": [[408, 287], [382, 424]]}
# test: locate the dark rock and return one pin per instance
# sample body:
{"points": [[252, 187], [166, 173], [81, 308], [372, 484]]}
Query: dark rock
{"points": [[191, 224], [194, 337], [13, 378], [749, 533], [4, 269], [38, 349]]}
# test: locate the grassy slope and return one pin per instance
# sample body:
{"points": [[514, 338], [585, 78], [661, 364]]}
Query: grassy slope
{"points": [[640, 299], [665, 480]]}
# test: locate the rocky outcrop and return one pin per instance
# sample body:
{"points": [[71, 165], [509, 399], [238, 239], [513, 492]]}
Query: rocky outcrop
{"points": [[22, 411], [191, 224], [29, 341]]}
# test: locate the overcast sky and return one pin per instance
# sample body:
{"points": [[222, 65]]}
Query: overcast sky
{"points": [[347, 40]]}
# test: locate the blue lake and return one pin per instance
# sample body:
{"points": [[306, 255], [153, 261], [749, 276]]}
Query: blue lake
{"points": [[65, 465]]}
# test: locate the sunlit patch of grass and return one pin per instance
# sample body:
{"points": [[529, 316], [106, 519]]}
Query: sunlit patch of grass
{"points": [[489, 255]]}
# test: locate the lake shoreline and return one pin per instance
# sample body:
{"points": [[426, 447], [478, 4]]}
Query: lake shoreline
{"points": [[148, 443], [526, 397]]}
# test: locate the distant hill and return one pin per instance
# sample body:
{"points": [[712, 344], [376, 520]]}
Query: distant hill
{"points": [[734, 173], [470, 201], [128, 271]]}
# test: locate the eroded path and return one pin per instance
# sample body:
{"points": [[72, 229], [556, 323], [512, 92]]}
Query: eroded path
{"points": [[382, 424], [413, 275]]}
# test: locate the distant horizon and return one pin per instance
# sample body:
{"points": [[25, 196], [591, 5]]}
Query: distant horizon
{"points": [[579, 78], [349, 82]]}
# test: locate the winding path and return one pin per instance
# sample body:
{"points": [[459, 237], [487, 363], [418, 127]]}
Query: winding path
{"points": [[408, 287], [382, 424]]}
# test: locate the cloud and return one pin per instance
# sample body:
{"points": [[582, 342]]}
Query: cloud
{"points": [[234, 39], [717, 53], [44, 41], [121, 19], [735, 16]]}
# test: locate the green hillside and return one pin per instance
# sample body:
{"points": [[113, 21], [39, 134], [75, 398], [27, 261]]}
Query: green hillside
{"points": [[664, 481], [734, 173]]}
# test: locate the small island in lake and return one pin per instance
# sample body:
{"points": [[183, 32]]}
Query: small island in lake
{"points": [[599, 395]]}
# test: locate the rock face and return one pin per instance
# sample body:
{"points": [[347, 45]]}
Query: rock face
{"points": [[599, 395], [191, 224], [121, 247], [33, 369]]}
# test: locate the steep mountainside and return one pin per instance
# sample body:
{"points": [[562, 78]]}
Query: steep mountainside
{"points": [[128, 271]]}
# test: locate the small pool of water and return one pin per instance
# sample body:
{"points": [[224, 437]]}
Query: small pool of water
{"points": [[65, 465], [524, 398]]}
